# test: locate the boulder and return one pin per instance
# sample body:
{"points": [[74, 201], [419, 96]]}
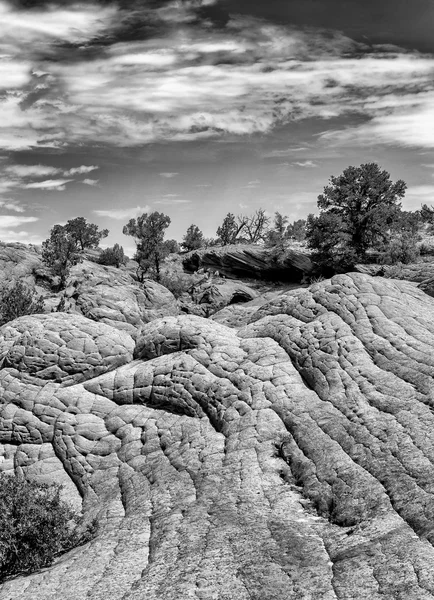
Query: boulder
{"points": [[247, 261], [291, 458], [217, 293]]}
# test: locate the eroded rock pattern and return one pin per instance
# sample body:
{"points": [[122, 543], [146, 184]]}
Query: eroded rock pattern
{"points": [[250, 261], [111, 296], [290, 458]]}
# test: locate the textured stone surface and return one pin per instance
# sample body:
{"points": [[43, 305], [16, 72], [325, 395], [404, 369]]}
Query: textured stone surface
{"points": [[101, 293], [111, 295], [417, 272], [249, 261], [290, 459], [217, 293]]}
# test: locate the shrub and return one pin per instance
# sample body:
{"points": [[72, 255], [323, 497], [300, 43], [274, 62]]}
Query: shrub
{"points": [[18, 300], [35, 525], [149, 231], [113, 256], [193, 239], [402, 249], [426, 249]]}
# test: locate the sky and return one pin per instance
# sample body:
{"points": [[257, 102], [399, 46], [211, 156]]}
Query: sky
{"points": [[197, 108]]}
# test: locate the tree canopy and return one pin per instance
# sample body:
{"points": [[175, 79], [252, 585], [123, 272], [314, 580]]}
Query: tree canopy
{"points": [[114, 256], [60, 252], [193, 239], [87, 235], [148, 232], [357, 210], [227, 232]]}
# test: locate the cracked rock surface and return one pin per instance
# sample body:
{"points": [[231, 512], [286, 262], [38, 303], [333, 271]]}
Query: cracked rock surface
{"points": [[289, 458]]}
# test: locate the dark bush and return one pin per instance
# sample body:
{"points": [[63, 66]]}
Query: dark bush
{"points": [[113, 256], [18, 300], [35, 525]]}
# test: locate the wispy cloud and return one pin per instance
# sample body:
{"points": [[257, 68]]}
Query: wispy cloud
{"points": [[171, 200], [32, 170], [49, 184], [20, 177], [194, 82], [168, 175], [11, 204], [8, 232], [81, 170], [405, 119], [305, 164], [283, 152], [7, 221], [122, 213]]}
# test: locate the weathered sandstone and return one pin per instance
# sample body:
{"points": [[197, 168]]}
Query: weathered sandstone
{"points": [[290, 458], [249, 261]]}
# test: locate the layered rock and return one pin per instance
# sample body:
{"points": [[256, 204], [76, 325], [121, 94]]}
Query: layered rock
{"points": [[214, 294], [291, 458], [249, 261]]}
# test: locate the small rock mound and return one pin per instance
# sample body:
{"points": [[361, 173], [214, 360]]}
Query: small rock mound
{"points": [[63, 348]]}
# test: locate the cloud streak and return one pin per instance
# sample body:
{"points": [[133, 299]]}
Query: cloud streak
{"points": [[122, 213], [48, 184]]}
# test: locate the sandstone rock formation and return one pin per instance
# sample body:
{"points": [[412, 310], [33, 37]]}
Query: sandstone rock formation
{"points": [[18, 261], [417, 272], [111, 295], [101, 293], [249, 261], [292, 458], [216, 293]]}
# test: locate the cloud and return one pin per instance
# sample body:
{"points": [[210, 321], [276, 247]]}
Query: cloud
{"points": [[122, 213], [32, 170], [171, 200], [11, 204], [92, 182], [58, 185], [251, 185], [405, 120], [80, 170], [8, 221], [76, 24], [279, 153], [168, 175], [307, 164], [193, 81]]}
